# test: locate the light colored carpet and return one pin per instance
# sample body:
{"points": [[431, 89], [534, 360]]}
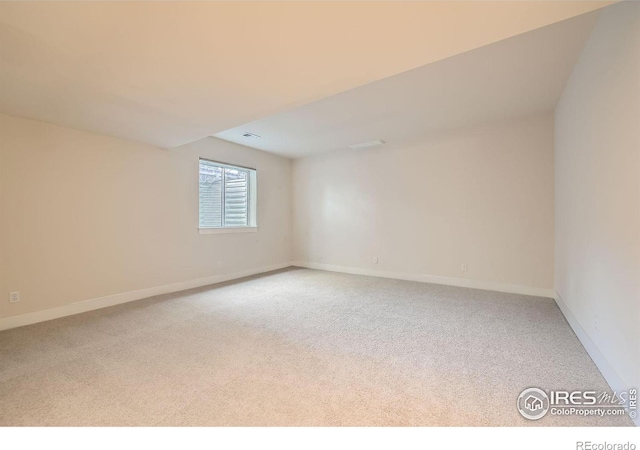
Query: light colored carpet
{"points": [[296, 347]]}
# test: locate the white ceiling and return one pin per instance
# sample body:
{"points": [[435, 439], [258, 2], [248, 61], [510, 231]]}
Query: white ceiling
{"points": [[168, 73], [515, 77]]}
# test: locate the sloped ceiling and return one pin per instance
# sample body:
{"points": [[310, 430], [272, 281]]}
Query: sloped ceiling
{"points": [[168, 73], [515, 77]]}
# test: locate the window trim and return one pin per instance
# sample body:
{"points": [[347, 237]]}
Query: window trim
{"points": [[223, 230], [229, 165], [252, 222]]}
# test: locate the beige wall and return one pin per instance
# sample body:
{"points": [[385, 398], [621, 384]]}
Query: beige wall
{"points": [[597, 189], [483, 197], [85, 216]]}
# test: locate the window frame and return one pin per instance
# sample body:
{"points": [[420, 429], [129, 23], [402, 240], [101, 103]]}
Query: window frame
{"points": [[252, 207]]}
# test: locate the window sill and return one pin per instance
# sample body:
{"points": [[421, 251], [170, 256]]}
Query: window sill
{"points": [[227, 230]]}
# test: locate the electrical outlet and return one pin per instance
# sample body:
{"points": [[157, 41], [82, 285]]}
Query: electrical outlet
{"points": [[219, 264], [464, 267], [596, 323], [375, 260], [14, 297]]}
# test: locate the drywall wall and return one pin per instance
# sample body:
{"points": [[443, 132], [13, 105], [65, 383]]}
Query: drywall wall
{"points": [[481, 197], [597, 190], [86, 216]]}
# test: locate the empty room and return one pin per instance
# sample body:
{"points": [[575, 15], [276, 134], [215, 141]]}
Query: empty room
{"points": [[321, 214]]}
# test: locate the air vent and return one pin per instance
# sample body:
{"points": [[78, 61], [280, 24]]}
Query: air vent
{"points": [[246, 134], [367, 144]]}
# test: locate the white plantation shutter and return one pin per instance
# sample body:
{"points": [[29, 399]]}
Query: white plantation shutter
{"points": [[210, 195], [225, 195], [236, 198]]}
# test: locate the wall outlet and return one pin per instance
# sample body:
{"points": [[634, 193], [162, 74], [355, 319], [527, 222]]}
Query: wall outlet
{"points": [[219, 264], [375, 260], [14, 297], [464, 267], [596, 323]]}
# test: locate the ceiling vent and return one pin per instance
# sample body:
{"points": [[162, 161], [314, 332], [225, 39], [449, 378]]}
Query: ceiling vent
{"points": [[246, 134], [367, 144]]}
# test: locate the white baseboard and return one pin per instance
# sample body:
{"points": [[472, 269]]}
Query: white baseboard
{"points": [[616, 383], [449, 281], [116, 299]]}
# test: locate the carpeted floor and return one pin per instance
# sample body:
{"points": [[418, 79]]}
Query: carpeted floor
{"points": [[297, 347]]}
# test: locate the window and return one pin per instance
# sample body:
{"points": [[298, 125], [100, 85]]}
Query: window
{"points": [[227, 197]]}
